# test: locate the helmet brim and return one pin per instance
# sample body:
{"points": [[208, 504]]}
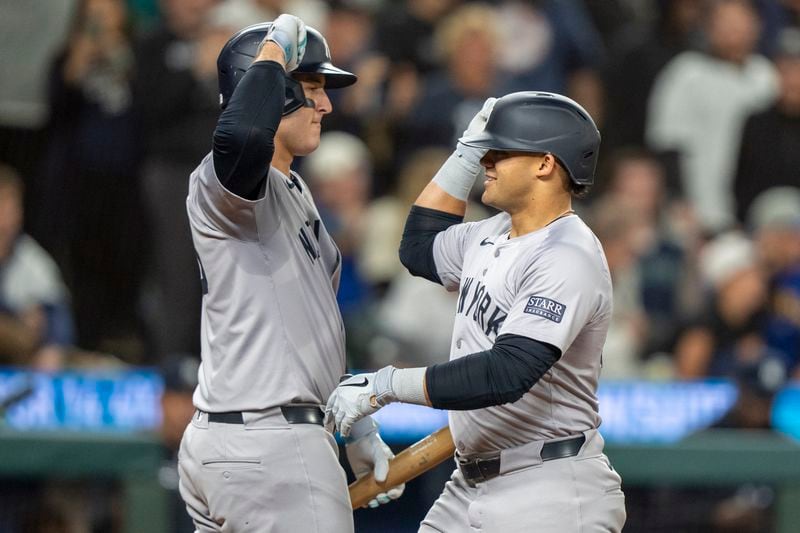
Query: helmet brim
{"points": [[335, 78], [490, 141]]}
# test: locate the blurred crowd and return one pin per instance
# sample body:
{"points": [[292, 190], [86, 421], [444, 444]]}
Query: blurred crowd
{"points": [[106, 106]]}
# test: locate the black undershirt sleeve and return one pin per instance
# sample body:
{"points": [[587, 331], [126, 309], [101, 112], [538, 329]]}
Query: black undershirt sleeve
{"points": [[494, 377], [244, 137], [416, 247]]}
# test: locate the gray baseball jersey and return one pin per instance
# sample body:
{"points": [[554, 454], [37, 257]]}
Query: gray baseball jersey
{"points": [[551, 285], [271, 329]]}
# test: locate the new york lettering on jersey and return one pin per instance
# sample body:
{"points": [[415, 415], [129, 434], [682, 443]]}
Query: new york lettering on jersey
{"points": [[305, 240], [475, 302]]}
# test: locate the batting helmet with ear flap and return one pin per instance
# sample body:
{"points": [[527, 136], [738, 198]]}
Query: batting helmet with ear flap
{"points": [[240, 50], [540, 122]]}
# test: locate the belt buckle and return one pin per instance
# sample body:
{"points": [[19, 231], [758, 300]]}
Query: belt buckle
{"points": [[476, 466]]}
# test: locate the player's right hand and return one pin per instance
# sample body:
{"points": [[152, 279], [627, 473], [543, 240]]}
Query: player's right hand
{"points": [[478, 122], [289, 32], [476, 126]]}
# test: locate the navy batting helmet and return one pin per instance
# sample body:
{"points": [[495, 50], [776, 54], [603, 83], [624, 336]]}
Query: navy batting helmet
{"points": [[539, 122], [239, 52]]}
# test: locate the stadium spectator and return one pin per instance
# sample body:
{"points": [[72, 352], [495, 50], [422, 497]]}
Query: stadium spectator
{"points": [[450, 96], [618, 230], [700, 102], [88, 197], [349, 32], [664, 237], [35, 319], [551, 45], [405, 38], [778, 15], [33, 33], [386, 217], [405, 32], [774, 218], [728, 334], [768, 154], [635, 60], [339, 172], [177, 100]]}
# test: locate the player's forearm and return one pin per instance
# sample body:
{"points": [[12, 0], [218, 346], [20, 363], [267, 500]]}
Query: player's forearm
{"points": [[493, 377], [244, 137], [434, 197], [449, 189]]}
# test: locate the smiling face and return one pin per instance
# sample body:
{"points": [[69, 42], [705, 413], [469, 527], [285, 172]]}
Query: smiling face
{"points": [[511, 178], [298, 132]]}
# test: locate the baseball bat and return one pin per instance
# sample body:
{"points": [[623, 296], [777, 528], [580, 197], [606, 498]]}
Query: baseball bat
{"points": [[408, 464]]}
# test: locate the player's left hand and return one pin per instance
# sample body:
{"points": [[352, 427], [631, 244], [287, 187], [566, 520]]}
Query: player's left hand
{"points": [[359, 396], [366, 452]]}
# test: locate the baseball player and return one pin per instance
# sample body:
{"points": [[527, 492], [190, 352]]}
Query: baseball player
{"points": [[531, 318], [256, 456]]}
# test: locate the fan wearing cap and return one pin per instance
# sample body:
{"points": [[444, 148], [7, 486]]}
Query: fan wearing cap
{"points": [[728, 332], [774, 219], [256, 456], [533, 310]]}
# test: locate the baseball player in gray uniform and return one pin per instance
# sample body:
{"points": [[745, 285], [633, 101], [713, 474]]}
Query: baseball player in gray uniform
{"points": [[531, 318], [256, 456]]}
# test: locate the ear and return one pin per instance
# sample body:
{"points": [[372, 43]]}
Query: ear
{"points": [[547, 165]]}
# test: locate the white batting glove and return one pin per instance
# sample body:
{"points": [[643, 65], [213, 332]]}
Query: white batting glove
{"points": [[476, 126], [289, 32], [458, 174], [359, 396], [366, 452]]}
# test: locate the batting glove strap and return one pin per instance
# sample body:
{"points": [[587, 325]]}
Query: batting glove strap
{"points": [[382, 386]]}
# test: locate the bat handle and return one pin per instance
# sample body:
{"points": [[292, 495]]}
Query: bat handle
{"points": [[408, 464]]}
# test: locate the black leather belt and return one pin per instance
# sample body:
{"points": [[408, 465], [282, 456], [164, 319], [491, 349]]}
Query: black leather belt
{"points": [[294, 414], [483, 469]]}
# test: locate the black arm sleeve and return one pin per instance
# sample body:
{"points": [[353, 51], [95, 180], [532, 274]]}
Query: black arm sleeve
{"points": [[244, 137], [416, 247], [494, 377]]}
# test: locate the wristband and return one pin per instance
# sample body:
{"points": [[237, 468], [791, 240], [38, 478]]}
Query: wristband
{"points": [[457, 175]]}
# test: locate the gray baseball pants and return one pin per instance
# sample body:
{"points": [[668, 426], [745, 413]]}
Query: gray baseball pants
{"points": [[265, 476], [580, 494]]}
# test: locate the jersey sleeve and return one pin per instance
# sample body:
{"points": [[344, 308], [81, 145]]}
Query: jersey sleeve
{"points": [[449, 248], [557, 294], [211, 204]]}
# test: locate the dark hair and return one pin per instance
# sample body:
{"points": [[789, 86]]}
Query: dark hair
{"points": [[578, 190], [575, 189]]}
